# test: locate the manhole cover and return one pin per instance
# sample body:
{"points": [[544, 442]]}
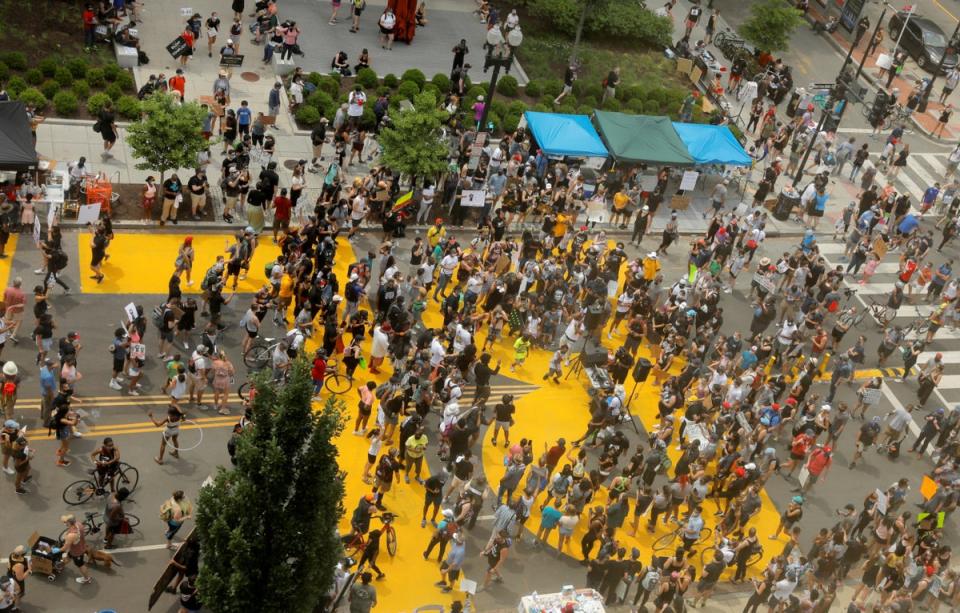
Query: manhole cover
{"points": [[250, 76], [290, 164]]}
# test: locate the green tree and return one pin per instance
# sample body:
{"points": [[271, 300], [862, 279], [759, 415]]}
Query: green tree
{"points": [[770, 24], [268, 528], [168, 135], [413, 145]]}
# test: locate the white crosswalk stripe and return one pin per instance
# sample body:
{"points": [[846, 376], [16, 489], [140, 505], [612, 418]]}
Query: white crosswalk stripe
{"points": [[922, 171]]}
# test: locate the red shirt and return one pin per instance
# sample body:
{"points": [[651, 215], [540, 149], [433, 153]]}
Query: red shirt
{"points": [[319, 370], [281, 206], [89, 19], [187, 37], [819, 461], [179, 83]]}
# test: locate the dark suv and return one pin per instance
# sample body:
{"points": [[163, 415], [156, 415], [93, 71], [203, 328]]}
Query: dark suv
{"points": [[923, 40]]}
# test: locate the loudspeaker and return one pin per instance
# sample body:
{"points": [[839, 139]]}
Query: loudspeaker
{"points": [[594, 357], [641, 370]]}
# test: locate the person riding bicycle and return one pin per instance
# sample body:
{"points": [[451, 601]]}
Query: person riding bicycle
{"points": [[107, 461], [692, 529]]}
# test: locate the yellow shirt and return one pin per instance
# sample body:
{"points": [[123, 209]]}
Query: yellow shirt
{"points": [[435, 235], [650, 269], [416, 445], [560, 225], [286, 286], [620, 201]]}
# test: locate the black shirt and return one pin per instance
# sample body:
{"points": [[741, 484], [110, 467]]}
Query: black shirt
{"points": [[505, 411], [568, 77], [483, 372], [196, 184]]}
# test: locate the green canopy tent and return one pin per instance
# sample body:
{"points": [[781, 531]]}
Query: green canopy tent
{"points": [[642, 139]]}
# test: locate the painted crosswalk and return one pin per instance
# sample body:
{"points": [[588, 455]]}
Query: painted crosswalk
{"points": [[946, 341], [922, 171]]}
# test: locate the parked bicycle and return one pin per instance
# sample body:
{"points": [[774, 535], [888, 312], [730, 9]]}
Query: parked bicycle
{"points": [[706, 556], [666, 542], [354, 543], [93, 523], [258, 356], [83, 490], [335, 381]]}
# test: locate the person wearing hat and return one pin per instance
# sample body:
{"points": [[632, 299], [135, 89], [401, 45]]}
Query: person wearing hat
{"points": [[8, 436], [671, 232], [792, 515], [8, 388], [640, 224]]}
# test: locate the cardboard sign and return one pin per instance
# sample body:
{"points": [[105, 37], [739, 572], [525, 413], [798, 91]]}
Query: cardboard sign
{"points": [[231, 60], [186, 11], [178, 47], [88, 213], [764, 282], [473, 197], [36, 231], [679, 202], [884, 61], [882, 502], [689, 180], [131, 311], [871, 396], [928, 487]]}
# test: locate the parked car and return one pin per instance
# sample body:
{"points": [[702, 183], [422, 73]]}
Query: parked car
{"points": [[923, 40]]}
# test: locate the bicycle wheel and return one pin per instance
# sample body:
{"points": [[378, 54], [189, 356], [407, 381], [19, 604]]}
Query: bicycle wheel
{"points": [[133, 520], [720, 39], [706, 555], [705, 535], [353, 545], [244, 391], [922, 327], [128, 477], [858, 319], [665, 541], [754, 557], [79, 492], [391, 541], [337, 383], [257, 357]]}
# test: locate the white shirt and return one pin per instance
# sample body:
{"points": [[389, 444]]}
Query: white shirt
{"points": [[787, 332], [296, 92], [437, 352], [359, 208], [461, 339], [783, 588], [426, 196], [381, 341], [356, 100], [448, 264]]}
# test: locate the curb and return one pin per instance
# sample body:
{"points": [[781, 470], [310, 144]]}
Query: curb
{"points": [[869, 78]]}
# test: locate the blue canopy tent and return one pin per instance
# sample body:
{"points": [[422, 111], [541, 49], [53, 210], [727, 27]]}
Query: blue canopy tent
{"points": [[712, 144], [565, 135]]}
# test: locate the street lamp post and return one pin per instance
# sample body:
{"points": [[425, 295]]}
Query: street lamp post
{"points": [[499, 55], [873, 35]]}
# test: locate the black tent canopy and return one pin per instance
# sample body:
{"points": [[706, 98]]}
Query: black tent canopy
{"points": [[17, 151]]}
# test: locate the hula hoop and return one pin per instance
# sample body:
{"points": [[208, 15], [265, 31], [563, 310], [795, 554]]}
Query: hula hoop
{"points": [[198, 428]]}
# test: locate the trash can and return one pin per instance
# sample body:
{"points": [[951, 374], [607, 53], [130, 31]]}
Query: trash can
{"points": [[786, 203], [794, 103]]}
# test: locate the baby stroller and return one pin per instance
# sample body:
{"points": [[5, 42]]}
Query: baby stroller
{"points": [[46, 558]]}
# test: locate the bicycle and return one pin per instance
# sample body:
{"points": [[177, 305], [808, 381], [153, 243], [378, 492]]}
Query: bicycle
{"points": [[666, 541], [334, 381], [259, 354], [354, 543], [879, 311], [92, 526], [83, 490], [706, 556], [920, 325]]}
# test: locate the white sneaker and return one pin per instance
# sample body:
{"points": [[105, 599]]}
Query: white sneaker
{"points": [[9, 471], [77, 434], [83, 581], [189, 283], [114, 385], [39, 271], [134, 393]]}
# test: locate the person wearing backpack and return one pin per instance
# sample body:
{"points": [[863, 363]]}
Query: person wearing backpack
{"points": [[55, 263], [175, 510]]}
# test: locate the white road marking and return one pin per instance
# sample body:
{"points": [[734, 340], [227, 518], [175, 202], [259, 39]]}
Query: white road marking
{"points": [[122, 550]]}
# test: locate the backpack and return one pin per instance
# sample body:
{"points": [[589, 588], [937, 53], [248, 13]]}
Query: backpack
{"points": [[360, 4], [166, 511], [58, 261], [651, 581], [208, 279]]}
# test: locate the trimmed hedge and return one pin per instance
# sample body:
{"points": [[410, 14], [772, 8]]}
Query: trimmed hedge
{"points": [[112, 71], [442, 82], [126, 82], [322, 102], [16, 85], [414, 75], [308, 115], [81, 89], [553, 87], [611, 104], [96, 78], [65, 103], [33, 76], [391, 81], [48, 66], [33, 96], [367, 78], [4, 72], [16, 60], [508, 86], [49, 88], [63, 76], [78, 67], [128, 107], [408, 90], [534, 88], [114, 91], [96, 102]]}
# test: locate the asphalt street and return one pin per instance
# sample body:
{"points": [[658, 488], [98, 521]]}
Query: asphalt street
{"points": [[124, 418]]}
